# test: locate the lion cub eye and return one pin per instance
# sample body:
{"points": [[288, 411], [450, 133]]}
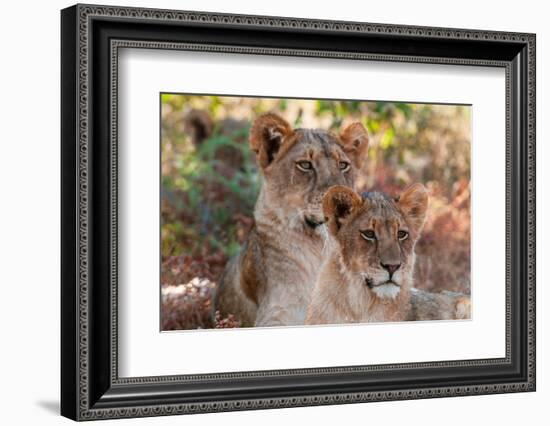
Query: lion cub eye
{"points": [[344, 166], [305, 166], [402, 235], [368, 235]]}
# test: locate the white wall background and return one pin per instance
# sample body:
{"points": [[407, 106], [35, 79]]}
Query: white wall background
{"points": [[29, 211]]}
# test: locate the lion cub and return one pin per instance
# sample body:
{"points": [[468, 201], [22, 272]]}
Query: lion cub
{"points": [[368, 277], [270, 281]]}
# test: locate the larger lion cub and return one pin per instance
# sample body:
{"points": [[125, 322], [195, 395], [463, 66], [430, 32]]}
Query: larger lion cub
{"points": [[368, 276], [270, 281]]}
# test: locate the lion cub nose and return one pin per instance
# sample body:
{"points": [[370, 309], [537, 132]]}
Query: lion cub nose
{"points": [[391, 268]]}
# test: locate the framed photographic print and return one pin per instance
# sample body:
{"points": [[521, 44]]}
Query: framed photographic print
{"points": [[263, 212]]}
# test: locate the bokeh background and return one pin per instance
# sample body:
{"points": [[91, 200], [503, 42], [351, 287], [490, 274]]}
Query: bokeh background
{"points": [[210, 182]]}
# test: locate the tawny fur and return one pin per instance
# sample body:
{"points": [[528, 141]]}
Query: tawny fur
{"points": [[270, 282], [353, 285], [446, 305]]}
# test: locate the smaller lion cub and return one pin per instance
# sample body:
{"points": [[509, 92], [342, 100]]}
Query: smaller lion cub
{"points": [[368, 276]]}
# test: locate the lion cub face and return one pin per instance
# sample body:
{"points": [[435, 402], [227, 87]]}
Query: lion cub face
{"points": [[299, 165], [376, 236]]}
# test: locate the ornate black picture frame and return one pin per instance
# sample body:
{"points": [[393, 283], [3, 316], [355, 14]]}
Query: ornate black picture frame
{"points": [[91, 36]]}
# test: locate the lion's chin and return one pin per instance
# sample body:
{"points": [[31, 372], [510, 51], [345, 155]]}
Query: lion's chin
{"points": [[387, 290]]}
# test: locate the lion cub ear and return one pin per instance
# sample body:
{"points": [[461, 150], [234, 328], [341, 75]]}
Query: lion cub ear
{"points": [[355, 141], [413, 202], [267, 135], [339, 203]]}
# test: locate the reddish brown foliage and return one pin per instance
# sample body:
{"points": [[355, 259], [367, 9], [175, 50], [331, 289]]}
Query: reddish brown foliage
{"points": [[188, 289], [178, 270], [189, 306], [443, 251]]}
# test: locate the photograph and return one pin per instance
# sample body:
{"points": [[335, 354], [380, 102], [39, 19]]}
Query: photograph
{"points": [[301, 212]]}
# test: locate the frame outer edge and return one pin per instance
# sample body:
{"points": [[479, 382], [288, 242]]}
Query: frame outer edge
{"points": [[69, 283]]}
